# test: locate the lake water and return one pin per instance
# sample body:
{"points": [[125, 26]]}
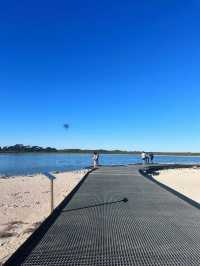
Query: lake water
{"points": [[22, 164]]}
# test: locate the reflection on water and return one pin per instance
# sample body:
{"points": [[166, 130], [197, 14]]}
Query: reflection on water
{"points": [[21, 164]]}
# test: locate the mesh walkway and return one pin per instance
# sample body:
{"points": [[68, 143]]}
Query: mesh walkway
{"points": [[99, 227]]}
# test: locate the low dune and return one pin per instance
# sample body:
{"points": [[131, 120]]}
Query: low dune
{"points": [[25, 203]]}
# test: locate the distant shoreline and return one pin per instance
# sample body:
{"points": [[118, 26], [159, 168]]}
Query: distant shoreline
{"points": [[20, 148], [101, 152]]}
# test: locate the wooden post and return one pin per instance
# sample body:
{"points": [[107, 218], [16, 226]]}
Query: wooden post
{"points": [[52, 200]]}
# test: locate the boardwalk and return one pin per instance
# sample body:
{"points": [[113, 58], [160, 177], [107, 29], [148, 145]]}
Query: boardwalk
{"points": [[99, 227]]}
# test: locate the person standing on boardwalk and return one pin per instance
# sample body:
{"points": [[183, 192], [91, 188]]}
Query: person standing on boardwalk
{"points": [[143, 156], [151, 156], [95, 159], [147, 158]]}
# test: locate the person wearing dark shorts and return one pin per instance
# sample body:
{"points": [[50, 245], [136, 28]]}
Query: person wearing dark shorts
{"points": [[151, 156]]}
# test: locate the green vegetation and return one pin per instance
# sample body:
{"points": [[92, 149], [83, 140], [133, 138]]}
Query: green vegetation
{"points": [[101, 151], [20, 148]]}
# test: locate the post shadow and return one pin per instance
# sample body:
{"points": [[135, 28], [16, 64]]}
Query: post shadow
{"points": [[97, 205]]}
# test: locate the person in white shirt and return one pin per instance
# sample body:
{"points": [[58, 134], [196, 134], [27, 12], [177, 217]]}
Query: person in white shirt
{"points": [[95, 159], [143, 156]]}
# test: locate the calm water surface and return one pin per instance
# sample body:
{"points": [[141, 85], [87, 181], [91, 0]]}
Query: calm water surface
{"points": [[22, 164]]}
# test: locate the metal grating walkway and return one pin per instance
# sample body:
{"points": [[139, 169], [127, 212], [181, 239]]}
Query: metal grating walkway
{"points": [[154, 227]]}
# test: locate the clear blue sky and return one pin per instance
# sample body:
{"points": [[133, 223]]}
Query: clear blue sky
{"points": [[123, 74]]}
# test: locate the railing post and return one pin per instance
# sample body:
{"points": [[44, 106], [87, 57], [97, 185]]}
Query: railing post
{"points": [[52, 199], [51, 178]]}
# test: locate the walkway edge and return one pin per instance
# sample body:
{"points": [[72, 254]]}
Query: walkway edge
{"points": [[147, 172], [37, 235]]}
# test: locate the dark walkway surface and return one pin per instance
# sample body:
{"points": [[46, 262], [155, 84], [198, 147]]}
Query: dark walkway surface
{"points": [[154, 227]]}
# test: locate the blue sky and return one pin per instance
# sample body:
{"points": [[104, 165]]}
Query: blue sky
{"points": [[123, 74]]}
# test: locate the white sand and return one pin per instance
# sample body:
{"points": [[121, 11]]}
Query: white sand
{"points": [[184, 180], [25, 203]]}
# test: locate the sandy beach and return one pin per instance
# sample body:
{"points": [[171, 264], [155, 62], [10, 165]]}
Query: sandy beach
{"points": [[25, 203], [183, 180]]}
